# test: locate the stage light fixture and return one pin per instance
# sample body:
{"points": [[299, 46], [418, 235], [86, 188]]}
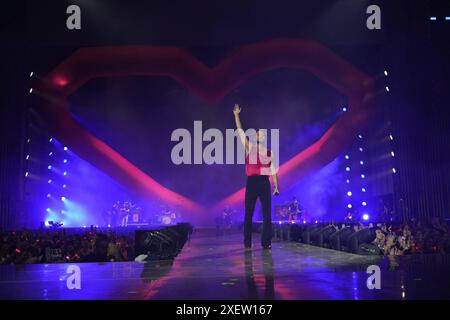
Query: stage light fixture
{"points": [[65, 173], [347, 156], [363, 189], [64, 186], [391, 137], [49, 167], [361, 162], [26, 174], [394, 170], [28, 140], [65, 160], [65, 148], [63, 199], [48, 195], [31, 73], [348, 180], [347, 169], [361, 149], [363, 176], [349, 193], [49, 181], [387, 89], [344, 109], [48, 209], [50, 153], [365, 216], [386, 73], [349, 206], [447, 18], [392, 153], [359, 136], [50, 140], [31, 90], [27, 157], [433, 18], [364, 203]]}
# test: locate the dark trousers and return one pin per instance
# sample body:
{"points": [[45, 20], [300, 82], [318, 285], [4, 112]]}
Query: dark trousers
{"points": [[258, 186]]}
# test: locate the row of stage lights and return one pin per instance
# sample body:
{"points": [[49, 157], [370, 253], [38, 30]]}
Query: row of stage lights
{"points": [[55, 170], [435, 18], [350, 194], [52, 168], [350, 205]]}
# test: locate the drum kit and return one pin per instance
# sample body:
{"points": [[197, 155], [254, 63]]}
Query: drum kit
{"points": [[166, 216]]}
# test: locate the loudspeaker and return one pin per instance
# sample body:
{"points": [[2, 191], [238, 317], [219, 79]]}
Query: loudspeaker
{"points": [[162, 244]]}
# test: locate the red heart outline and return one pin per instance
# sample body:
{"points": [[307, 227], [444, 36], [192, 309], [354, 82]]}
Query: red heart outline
{"points": [[211, 85]]}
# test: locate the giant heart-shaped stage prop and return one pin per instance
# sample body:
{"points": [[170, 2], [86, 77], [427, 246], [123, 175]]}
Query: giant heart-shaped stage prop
{"points": [[211, 85]]}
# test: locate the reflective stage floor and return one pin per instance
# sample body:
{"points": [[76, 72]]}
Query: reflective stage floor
{"points": [[217, 267]]}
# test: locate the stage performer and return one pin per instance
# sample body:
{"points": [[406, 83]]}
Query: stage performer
{"points": [[258, 184]]}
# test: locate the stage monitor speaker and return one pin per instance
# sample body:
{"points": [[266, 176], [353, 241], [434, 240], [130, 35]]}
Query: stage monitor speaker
{"points": [[162, 244]]}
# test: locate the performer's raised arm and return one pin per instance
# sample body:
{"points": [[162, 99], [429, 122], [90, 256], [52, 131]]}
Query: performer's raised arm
{"points": [[244, 139]]}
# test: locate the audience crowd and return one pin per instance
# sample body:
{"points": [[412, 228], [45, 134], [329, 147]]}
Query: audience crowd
{"points": [[414, 237], [56, 246]]}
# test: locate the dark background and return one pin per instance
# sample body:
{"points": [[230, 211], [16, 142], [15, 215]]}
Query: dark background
{"points": [[413, 49]]}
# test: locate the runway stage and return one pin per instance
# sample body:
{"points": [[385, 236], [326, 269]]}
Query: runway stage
{"points": [[217, 267]]}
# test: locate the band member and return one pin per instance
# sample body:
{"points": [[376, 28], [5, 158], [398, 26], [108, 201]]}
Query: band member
{"points": [[125, 212], [258, 184], [294, 210]]}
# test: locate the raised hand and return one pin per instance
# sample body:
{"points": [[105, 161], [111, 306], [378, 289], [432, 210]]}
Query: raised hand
{"points": [[236, 109]]}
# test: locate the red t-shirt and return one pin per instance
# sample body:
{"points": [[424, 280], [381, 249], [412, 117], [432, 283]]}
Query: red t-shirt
{"points": [[255, 163]]}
